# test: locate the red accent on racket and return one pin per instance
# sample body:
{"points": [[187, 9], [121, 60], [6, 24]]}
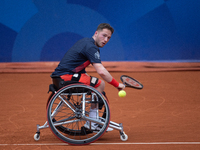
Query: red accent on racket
{"points": [[130, 82]]}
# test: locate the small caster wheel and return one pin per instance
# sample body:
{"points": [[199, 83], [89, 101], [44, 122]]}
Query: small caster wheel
{"points": [[37, 137], [124, 137]]}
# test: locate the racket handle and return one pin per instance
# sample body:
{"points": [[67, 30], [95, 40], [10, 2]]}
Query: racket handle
{"points": [[119, 89]]}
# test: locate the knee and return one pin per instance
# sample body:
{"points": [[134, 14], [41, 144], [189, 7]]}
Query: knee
{"points": [[101, 86]]}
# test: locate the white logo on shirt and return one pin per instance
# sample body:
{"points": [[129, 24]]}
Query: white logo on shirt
{"points": [[97, 55]]}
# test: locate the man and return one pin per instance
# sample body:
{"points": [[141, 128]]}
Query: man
{"points": [[83, 53]]}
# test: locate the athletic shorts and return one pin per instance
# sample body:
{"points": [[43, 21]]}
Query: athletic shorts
{"points": [[84, 78]]}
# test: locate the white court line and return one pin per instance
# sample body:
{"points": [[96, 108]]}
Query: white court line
{"points": [[140, 143]]}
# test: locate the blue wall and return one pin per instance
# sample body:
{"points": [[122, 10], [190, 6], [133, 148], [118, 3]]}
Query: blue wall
{"points": [[145, 30]]}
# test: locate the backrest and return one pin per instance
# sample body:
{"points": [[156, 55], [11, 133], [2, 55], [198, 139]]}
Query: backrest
{"points": [[59, 83]]}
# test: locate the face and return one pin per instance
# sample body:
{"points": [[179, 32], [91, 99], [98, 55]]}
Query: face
{"points": [[102, 37]]}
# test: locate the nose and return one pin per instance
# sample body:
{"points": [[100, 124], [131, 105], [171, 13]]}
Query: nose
{"points": [[106, 39]]}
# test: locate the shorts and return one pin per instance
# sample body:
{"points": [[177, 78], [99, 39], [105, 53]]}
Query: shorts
{"points": [[84, 78]]}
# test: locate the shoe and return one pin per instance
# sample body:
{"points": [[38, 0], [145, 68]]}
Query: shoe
{"points": [[95, 127]]}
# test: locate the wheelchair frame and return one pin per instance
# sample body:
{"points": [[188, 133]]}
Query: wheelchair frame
{"points": [[64, 101]]}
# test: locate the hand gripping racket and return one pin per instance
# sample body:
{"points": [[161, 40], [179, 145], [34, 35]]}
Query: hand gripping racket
{"points": [[130, 82]]}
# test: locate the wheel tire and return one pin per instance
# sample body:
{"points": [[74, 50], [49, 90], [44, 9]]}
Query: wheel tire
{"points": [[74, 132], [124, 137], [36, 137]]}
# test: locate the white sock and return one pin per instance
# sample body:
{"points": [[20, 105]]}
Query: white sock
{"points": [[93, 114]]}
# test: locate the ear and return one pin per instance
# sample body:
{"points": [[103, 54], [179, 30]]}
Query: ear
{"points": [[96, 32]]}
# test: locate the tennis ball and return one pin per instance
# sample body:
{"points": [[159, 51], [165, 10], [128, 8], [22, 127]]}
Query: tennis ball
{"points": [[122, 93]]}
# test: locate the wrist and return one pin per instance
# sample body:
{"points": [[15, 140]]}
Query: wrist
{"points": [[114, 83]]}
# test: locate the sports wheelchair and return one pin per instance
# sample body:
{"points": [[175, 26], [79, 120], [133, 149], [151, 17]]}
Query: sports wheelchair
{"points": [[68, 110]]}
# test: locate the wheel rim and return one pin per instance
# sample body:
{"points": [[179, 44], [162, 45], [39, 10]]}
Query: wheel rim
{"points": [[74, 132]]}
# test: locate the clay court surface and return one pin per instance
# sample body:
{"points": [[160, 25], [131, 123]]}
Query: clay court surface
{"points": [[165, 114]]}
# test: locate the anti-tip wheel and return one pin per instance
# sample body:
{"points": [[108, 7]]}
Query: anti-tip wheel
{"points": [[124, 137], [36, 137]]}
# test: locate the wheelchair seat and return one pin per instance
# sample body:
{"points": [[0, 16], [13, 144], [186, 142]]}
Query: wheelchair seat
{"points": [[59, 82]]}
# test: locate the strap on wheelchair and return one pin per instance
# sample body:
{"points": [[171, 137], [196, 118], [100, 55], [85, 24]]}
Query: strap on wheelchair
{"points": [[58, 82], [93, 81], [76, 77]]}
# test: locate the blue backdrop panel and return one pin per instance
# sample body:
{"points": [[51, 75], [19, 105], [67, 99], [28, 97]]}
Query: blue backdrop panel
{"points": [[7, 38], [156, 30]]}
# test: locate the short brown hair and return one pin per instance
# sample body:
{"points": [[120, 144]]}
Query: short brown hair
{"points": [[105, 26]]}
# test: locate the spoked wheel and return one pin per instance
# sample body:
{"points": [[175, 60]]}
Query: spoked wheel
{"points": [[68, 112], [67, 130]]}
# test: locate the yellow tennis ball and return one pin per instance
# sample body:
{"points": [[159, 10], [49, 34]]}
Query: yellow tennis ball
{"points": [[122, 93]]}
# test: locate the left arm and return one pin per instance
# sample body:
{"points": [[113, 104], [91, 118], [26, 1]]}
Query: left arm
{"points": [[102, 71]]}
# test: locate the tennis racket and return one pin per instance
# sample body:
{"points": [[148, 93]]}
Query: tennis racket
{"points": [[130, 82]]}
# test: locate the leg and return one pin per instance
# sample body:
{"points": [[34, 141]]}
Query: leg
{"points": [[101, 87]]}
